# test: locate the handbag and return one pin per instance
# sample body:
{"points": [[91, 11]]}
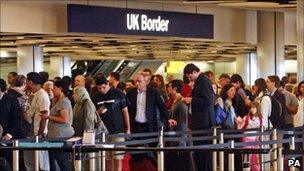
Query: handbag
{"points": [[228, 123], [220, 114]]}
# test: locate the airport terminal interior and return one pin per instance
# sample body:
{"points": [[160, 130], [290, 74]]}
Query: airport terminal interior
{"points": [[132, 85]]}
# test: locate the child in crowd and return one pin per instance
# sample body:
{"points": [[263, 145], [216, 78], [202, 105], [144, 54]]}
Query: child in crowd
{"points": [[252, 120]]}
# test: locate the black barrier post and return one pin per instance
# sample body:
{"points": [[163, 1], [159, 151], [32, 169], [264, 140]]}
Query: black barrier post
{"points": [[15, 156]]}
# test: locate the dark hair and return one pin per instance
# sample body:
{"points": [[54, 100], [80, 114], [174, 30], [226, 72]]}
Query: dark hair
{"points": [[101, 80], [153, 85], [237, 78], [282, 84], [261, 84], [275, 79], [152, 78], [67, 79], [299, 87], [131, 81], [147, 70], [34, 77], [186, 79], [285, 79], [190, 68], [44, 76], [20, 80], [3, 85], [178, 84], [226, 76], [115, 75], [63, 85], [224, 91], [13, 73]]}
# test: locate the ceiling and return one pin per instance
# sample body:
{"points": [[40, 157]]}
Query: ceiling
{"points": [[95, 46], [98, 46], [276, 5]]}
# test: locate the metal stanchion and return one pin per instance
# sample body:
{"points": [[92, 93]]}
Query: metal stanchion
{"points": [[92, 161], [160, 154], [292, 146], [214, 154], [274, 156], [231, 156], [78, 162], [103, 152], [262, 146], [37, 155], [16, 156], [303, 145], [221, 154], [280, 159]]}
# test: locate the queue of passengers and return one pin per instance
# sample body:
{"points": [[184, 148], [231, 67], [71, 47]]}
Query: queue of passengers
{"points": [[64, 107]]}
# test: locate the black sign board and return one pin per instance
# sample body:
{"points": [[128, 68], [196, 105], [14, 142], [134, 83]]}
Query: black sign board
{"points": [[97, 19]]}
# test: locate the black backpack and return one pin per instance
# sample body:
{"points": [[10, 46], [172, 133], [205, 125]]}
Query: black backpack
{"points": [[277, 114]]}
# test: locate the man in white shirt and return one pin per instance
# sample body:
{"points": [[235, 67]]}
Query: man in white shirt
{"points": [[39, 105], [144, 103]]}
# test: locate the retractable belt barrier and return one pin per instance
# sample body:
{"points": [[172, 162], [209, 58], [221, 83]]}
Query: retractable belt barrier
{"points": [[135, 141]]}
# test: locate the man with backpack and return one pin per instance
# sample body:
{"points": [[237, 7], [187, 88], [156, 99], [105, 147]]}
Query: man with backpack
{"points": [[278, 109]]}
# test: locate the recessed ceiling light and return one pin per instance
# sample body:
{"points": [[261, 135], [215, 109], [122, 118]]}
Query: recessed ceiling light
{"points": [[4, 54], [20, 37]]}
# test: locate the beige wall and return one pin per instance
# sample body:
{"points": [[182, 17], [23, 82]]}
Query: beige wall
{"points": [[290, 28], [51, 17], [32, 17]]}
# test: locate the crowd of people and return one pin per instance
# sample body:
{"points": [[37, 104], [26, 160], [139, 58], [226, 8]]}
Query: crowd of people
{"points": [[34, 105]]}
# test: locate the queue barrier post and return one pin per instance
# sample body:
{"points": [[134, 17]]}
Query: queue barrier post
{"points": [[231, 156], [214, 153], [15, 156], [292, 146], [262, 146], [160, 154], [221, 154], [274, 156], [303, 145], [280, 159], [92, 161], [77, 162], [37, 155], [103, 152]]}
